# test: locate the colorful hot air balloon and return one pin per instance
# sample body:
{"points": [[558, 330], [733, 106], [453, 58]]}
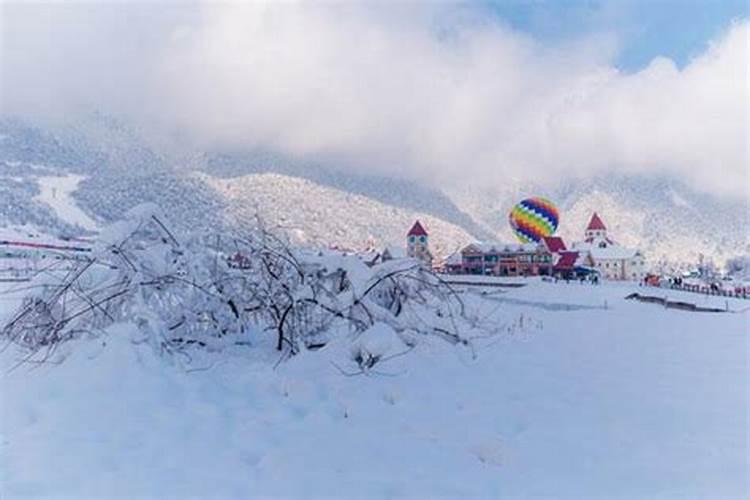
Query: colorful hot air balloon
{"points": [[534, 218]]}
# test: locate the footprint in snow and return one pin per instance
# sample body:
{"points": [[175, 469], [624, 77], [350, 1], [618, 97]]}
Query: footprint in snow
{"points": [[489, 452], [251, 458]]}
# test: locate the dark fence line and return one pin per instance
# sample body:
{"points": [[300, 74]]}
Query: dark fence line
{"points": [[737, 293], [484, 283], [673, 304]]}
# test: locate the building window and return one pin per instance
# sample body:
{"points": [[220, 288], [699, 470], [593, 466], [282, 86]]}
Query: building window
{"points": [[422, 239]]}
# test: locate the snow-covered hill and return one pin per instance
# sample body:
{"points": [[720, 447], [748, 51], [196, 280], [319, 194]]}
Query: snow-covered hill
{"points": [[322, 215], [332, 205]]}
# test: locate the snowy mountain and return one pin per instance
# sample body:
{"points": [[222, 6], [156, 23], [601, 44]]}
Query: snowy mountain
{"points": [[321, 215], [664, 217], [401, 193], [326, 204]]}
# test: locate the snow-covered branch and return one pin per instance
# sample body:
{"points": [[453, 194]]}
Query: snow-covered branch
{"points": [[213, 290]]}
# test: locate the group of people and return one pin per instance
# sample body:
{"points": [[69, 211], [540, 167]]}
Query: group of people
{"points": [[710, 289], [592, 278]]}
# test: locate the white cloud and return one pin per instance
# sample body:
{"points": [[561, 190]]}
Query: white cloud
{"points": [[427, 91]]}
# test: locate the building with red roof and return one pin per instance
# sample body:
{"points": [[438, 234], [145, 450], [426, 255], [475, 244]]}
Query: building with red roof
{"points": [[502, 259], [554, 244], [417, 230], [418, 244], [613, 261], [566, 262], [596, 223], [596, 228]]}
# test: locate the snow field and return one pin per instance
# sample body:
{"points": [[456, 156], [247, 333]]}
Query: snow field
{"points": [[631, 401]]}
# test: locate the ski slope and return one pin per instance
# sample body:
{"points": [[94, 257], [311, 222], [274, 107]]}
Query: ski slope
{"points": [[607, 398], [55, 192]]}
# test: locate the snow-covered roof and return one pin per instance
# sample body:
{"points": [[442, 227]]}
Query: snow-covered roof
{"points": [[604, 248], [489, 247], [613, 253], [610, 252]]}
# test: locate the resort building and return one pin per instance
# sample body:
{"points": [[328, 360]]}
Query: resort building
{"points": [[613, 261]]}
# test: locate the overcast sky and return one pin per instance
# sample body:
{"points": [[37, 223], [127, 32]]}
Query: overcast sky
{"points": [[523, 88]]}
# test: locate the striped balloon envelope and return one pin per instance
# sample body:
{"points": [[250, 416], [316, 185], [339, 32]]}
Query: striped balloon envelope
{"points": [[533, 219]]}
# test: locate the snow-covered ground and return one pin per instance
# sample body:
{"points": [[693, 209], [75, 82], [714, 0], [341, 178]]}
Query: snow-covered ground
{"points": [[55, 191], [606, 398]]}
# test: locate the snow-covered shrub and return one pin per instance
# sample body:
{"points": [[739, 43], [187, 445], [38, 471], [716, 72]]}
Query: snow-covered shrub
{"points": [[375, 343], [213, 290]]}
